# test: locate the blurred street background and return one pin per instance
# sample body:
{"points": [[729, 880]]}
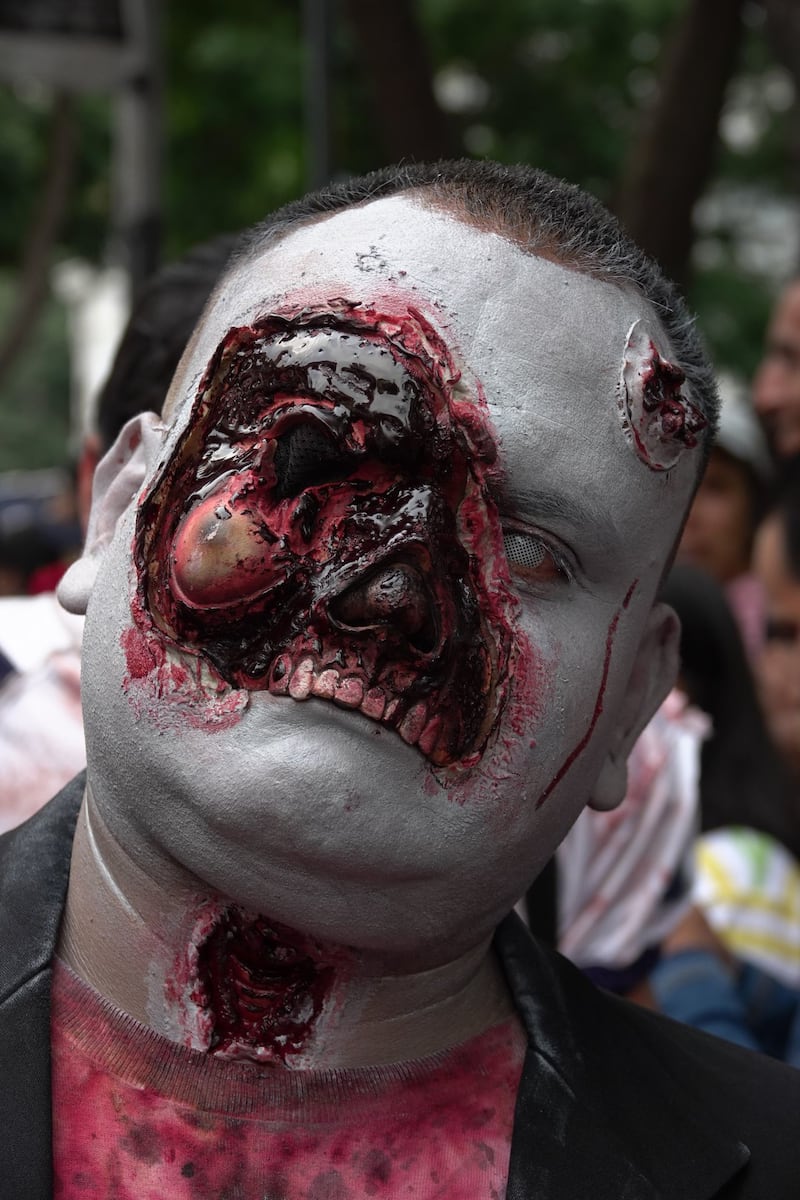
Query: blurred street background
{"points": [[132, 129]]}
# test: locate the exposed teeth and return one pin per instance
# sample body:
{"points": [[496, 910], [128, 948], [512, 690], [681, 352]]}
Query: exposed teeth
{"points": [[302, 679], [325, 685], [350, 692], [413, 724], [281, 673], [430, 735], [373, 704]]}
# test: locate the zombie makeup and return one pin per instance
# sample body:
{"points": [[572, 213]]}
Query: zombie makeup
{"points": [[658, 419], [249, 988], [395, 488], [323, 528]]}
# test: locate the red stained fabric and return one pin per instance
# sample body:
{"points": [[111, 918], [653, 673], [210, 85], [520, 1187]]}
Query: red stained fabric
{"points": [[138, 1117]]}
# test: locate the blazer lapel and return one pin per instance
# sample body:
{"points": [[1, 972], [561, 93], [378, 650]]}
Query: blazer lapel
{"points": [[34, 871], [598, 1112]]}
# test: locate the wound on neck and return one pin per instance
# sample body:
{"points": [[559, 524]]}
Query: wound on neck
{"points": [[263, 985]]}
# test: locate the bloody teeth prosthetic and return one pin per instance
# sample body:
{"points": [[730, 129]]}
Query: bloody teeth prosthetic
{"points": [[324, 528], [658, 420]]}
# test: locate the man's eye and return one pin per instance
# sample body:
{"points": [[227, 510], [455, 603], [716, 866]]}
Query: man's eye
{"points": [[532, 558]]}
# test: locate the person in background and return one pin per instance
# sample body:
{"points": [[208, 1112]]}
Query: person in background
{"points": [[776, 386], [41, 726], [732, 964], [777, 563], [743, 778], [729, 503]]}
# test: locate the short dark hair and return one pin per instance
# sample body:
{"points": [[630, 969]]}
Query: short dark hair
{"points": [[539, 213]]}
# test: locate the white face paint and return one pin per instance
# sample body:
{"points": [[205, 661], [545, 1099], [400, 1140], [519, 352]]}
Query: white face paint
{"points": [[319, 813]]}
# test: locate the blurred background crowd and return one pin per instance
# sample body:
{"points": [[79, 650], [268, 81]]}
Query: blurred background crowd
{"points": [[137, 138]]}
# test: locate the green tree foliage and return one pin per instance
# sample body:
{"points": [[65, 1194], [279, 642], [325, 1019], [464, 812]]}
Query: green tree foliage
{"points": [[562, 84], [234, 140]]}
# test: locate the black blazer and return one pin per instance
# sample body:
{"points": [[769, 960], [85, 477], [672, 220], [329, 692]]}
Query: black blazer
{"points": [[615, 1103]]}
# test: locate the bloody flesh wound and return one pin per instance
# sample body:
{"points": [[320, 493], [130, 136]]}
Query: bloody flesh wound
{"points": [[325, 528], [263, 986], [658, 418], [661, 394]]}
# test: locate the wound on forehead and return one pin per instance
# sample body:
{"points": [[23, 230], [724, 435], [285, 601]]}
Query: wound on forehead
{"points": [[658, 419]]}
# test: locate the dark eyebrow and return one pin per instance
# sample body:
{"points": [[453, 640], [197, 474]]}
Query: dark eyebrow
{"points": [[537, 504]]}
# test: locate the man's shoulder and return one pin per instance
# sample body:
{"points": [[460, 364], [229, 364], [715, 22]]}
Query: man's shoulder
{"points": [[34, 872], [735, 1078], [685, 1110]]}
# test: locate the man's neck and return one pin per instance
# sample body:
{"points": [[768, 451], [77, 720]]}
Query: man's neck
{"points": [[198, 969]]}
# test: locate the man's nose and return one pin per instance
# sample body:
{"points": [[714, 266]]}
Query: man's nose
{"points": [[394, 596]]}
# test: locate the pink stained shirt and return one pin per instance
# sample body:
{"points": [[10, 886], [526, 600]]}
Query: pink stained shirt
{"points": [[137, 1117]]}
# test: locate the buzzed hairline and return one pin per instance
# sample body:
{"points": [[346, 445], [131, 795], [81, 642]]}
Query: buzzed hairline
{"points": [[541, 215]]}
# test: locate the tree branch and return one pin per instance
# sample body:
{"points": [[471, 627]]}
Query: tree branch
{"points": [[34, 272], [671, 160], [395, 59]]}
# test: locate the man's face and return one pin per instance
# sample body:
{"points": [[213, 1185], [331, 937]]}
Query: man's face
{"points": [[776, 387], [390, 577], [779, 663]]}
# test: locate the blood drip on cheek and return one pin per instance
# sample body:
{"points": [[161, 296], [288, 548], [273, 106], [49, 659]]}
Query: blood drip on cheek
{"points": [[598, 705], [263, 985]]}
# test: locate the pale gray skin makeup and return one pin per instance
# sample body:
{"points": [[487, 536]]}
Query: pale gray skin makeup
{"points": [[316, 816]]}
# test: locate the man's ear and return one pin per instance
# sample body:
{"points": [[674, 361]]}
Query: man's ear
{"points": [[654, 672], [118, 478]]}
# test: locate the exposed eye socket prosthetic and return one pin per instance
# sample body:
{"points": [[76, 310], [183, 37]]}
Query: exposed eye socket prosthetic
{"points": [[323, 528]]}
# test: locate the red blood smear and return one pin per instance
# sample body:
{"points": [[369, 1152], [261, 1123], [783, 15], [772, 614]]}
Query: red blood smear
{"points": [[141, 655], [598, 706]]}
